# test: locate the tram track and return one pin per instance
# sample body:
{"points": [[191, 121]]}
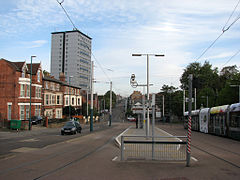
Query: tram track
{"points": [[74, 161], [51, 157], [222, 159]]}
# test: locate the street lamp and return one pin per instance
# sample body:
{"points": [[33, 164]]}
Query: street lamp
{"points": [[30, 109], [91, 117], [70, 96], [238, 91], [156, 55]]}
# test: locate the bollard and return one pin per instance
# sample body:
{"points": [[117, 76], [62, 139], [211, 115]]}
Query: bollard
{"points": [[46, 123]]}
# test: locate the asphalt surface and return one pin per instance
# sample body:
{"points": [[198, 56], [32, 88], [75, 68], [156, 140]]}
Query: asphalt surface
{"points": [[38, 137], [95, 156]]}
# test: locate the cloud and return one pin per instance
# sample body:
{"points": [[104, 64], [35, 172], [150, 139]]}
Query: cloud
{"points": [[34, 44], [181, 30]]}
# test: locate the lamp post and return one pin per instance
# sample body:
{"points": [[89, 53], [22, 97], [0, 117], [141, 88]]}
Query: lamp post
{"points": [[148, 103], [110, 115], [70, 96], [87, 103], [238, 91], [30, 109], [91, 117]]}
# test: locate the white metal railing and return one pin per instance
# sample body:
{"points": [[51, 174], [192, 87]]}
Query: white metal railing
{"points": [[163, 148]]}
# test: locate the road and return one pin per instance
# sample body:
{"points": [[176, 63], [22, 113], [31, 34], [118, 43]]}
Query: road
{"points": [[95, 156]]}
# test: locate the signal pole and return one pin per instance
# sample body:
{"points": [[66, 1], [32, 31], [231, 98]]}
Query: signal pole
{"points": [[189, 119], [110, 115]]}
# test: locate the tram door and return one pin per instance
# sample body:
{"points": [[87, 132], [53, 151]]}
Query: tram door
{"points": [[222, 124]]}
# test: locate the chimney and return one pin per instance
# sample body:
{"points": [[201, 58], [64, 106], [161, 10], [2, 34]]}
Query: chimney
{"points": [[62, 77]]}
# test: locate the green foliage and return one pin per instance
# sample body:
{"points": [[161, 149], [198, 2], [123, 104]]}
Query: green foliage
{"points": [[84, 110], [210, 85], [66, 110], [107, 99]]}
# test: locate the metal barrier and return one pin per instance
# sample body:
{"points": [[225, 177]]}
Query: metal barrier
{"points": [[164, 148]]}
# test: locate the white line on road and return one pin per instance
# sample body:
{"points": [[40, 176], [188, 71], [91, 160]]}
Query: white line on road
{"points": [[114, 159], [193, 158]]}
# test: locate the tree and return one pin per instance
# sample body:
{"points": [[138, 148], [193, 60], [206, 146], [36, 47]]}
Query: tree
{"points": [[107, 99], [66, 111], [205, 79]]}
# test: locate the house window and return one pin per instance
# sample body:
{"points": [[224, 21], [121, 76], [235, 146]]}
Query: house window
{"points": [[9, 111], [47, 99], [72, 101], [38, 92], [58, 113], [28, 91], [58, 99], [27, 112], [50, 99], [23, 73], [78, 101], [38, 76], [53, 99], [21, 112], [66, 100], [46, 85], [37, 110], [22, 90]]}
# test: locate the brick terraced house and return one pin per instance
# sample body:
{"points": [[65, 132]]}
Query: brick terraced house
{"points": [[49, 96], [58, 94], [15, 90]]}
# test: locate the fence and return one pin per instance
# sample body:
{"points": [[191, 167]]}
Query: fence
{"points": [[164, 148]]}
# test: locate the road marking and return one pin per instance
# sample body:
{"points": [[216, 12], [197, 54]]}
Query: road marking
{"points": [[7, 156], [24, 149], [114, 159], [193, 158], [29, 140]]}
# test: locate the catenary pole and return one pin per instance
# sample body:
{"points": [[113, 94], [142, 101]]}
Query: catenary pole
{"points": [[110, 115], [189, 119], [30, 108], [91, 117]]}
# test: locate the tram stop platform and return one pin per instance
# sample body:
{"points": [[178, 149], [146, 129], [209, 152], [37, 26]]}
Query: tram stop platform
{"points": [[132, 131], [135, 145]]}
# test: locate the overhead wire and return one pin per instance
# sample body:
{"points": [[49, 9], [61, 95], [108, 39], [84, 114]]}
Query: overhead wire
{"points": [[75, 28], [231, 58], [224, 29], [60, 3]]}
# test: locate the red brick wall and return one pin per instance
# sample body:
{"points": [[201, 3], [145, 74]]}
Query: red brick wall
{"points": [[9, 89]]}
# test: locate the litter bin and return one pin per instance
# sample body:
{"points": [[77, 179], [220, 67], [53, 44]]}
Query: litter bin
{"points": [[15, 124]]}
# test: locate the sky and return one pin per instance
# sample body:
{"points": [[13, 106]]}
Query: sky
{"points": [[179, 29]]}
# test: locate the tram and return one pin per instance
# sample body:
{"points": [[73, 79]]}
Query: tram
{"points": [[221, 120]]}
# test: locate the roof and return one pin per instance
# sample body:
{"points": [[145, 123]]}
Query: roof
{"points": [[35, 67], [16, 65], [76, 30], [48, 78]]}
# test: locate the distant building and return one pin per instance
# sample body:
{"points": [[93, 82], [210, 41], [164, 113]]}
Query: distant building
{"points": [[49, 96], [71, 55], [59, 94], [15, 90], [135, 97]]}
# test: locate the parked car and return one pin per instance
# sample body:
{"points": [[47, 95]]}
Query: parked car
{"points": [[36, 120], [131, 119], [71, 127]]}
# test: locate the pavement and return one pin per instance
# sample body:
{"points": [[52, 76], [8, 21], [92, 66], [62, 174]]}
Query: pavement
{"points": [[139, 146], [39, 129], [132, 131]]}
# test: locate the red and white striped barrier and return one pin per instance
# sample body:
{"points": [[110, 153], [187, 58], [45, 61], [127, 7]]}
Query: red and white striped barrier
{"points": [[189, 134]]}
